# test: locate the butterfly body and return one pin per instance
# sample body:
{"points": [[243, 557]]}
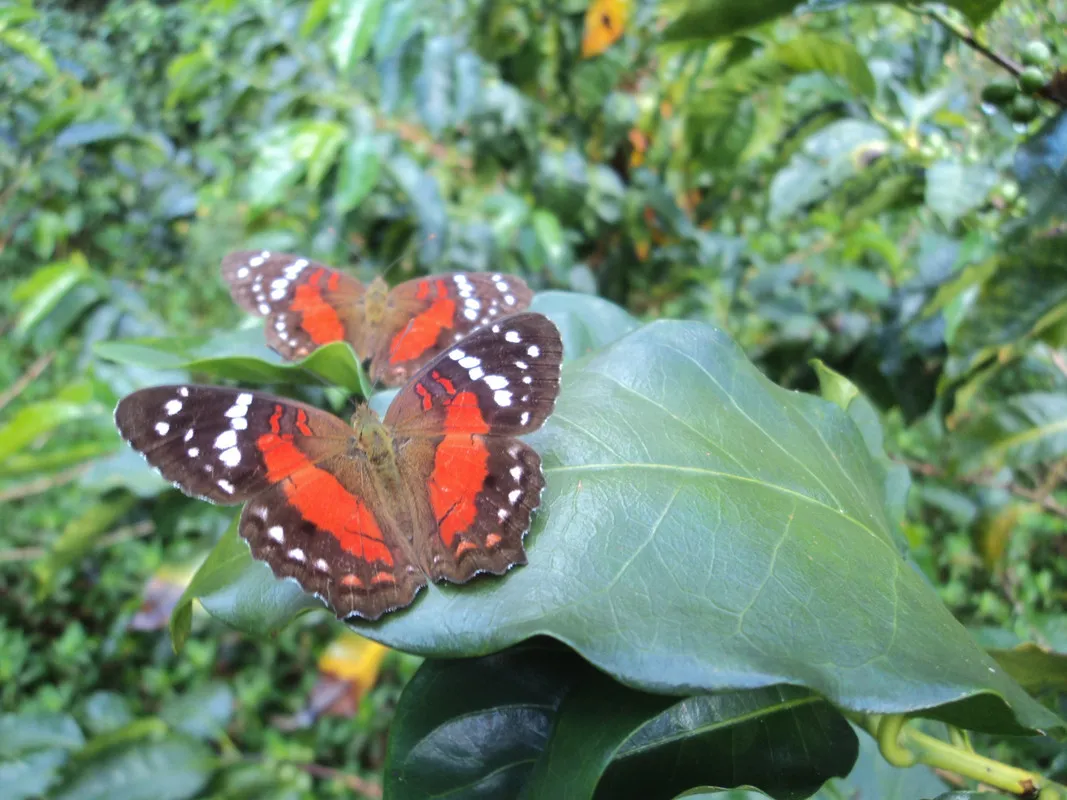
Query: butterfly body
{"points": [[365, 513], [308, 304]]}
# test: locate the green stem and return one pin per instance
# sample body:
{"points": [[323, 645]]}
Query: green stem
{"points": [[902, 746]]}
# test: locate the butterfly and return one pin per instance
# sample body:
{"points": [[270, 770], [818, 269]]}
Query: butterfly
{"points": [[308, 304], [363, 515]]}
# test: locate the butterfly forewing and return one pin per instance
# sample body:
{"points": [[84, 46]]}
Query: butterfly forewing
{"points": [[426, 315], [307, 304], [502, 379]]}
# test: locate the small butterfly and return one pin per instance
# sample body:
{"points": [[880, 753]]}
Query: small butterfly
{"points": [[363, 515], [308, 304]]}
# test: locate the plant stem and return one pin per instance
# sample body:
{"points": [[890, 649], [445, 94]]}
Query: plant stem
{"points": [[902, 746]]}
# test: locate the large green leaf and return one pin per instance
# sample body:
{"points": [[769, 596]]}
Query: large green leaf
{"points": [[240, 356], [1028, 287], [239, 591], [954, 188], [703, 530], [174, 768], [538, 721], [1041, 168], [713, 19], [358, 174], [586, 323], [1021, 431], [33, 749], [353, 30]]}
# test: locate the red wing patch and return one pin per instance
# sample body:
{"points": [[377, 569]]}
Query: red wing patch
{"points": [[318, 317], [423, 331], [322, 500]]}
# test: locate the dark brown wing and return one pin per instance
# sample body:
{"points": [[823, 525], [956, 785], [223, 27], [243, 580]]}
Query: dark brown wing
{"points": [[308, 513], [426, 315], [307, 304], [455, 424]]}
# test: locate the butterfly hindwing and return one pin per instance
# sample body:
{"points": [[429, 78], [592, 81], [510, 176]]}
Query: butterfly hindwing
{"points": [[426, 315], [307, 304]]}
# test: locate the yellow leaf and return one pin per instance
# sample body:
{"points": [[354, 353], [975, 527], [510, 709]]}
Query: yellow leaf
{"points": [[352, 658], [605, 22]]}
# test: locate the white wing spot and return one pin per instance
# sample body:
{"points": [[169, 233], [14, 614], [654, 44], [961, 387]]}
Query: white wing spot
{"points": [[226, 440], [496, 329], [496, 276], [509, 299], [502, 514], [225, 485], [469, 361], [193, 452], [253, 262], [501, 286], [244, 399], [521, 364], [239, 423], [516, 471], [173, 407], [533, 351], [260, 511], [188, 435], [242, 272], [264, 308], [470, 314], [527, 379], [236, 410], [231, 457], [297, 555], [456, 355], [183, 391], [162, 428], [513, 337], [321, 565], [502, 397], [476, 373], [496, 381], [470, 302], [514, 495], [524, 418], [277, 294], [276, 533]]}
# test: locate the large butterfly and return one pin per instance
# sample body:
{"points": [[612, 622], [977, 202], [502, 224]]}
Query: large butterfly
{"points": [[308, 304], [363, 515]]}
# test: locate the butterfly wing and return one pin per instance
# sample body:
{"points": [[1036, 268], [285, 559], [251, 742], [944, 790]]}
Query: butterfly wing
{"points": [[310, 511], [426, 315], [307, 304], [456, 422]]}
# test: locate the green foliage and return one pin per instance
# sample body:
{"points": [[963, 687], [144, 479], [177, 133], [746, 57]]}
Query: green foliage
{"points": [[812, 184]]}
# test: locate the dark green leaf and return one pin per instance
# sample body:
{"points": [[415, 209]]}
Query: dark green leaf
{"points": [[353, 31], [1021, 431], [1037, 670], [25, 733], [358, 175], [423, 193], [239, 356], [78, 536], [715, 19], [31, 775], [203, 712], [172, 769], [31, 47], [105, 712], [241, 592], [82, 133], [537, 721], [954, 189], [37, 419], [434, 84], [1041, 168]]}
